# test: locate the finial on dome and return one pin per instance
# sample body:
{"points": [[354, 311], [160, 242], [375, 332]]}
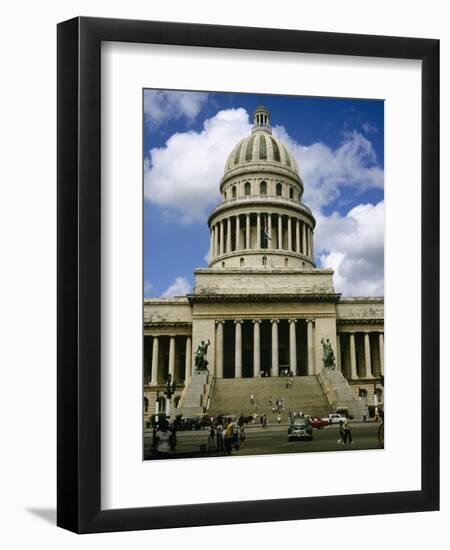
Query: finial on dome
{"points": [[261, 119]]}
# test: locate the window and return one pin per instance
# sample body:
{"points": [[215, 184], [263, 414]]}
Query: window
{"points": [[233, 191], [279, 190], [247, 188], [262, 148], [291, 193], [242, 262], [145, 404], [223, 264], [286, 262], [263, 188], [264, 261]]}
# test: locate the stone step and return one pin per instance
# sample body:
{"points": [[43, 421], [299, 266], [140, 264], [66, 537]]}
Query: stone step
{"points": [[232, 396]]}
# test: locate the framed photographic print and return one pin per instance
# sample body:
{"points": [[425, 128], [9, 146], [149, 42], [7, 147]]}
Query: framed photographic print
{"points": [[248, 258]]}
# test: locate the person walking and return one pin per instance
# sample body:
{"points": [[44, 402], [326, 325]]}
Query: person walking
{"points": [[348, 440], [219, 437], [228, 437], [212, 438], [279, 418], [341, 432], [241, 436]]}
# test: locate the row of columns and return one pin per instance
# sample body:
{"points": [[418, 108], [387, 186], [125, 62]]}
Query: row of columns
{"points": [[221, 243], [367, 354], [155, 359], [257, 347]]}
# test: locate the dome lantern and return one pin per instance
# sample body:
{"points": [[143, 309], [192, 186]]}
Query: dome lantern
{"points": [[261, 119]]}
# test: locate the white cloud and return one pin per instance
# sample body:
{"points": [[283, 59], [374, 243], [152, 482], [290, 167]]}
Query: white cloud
{"points": [[179, 287], [353, 245], [324, 170], [147, 287], [185, 174], [161, 106]]}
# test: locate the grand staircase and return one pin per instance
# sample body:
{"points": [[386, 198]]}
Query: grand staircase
{"points": [[233, 396]]}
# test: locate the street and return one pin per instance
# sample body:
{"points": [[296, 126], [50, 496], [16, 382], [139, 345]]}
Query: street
{"points": [[273, 440]]}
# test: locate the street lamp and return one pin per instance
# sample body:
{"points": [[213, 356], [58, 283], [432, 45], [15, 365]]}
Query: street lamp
{"points": [[169, 391]]}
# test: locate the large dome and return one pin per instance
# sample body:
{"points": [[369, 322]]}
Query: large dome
{"points": [[261, 148]]}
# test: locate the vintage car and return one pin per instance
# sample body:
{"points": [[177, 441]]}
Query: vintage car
{"points": [[317, 422], [300, 429]]}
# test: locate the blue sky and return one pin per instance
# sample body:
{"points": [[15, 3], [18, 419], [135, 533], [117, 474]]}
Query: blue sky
{"points": [[339, 147]]}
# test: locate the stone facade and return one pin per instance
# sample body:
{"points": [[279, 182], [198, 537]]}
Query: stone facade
{"points": [[261, 303]]}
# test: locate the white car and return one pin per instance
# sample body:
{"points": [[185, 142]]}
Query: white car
{"points": [[334, 418]]}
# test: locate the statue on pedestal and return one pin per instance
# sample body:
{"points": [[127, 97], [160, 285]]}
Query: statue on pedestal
{"points": [[328, 354], [201, 364]]}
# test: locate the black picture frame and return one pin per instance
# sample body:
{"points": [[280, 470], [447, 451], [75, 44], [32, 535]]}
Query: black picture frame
{"points": [[79, 280]]}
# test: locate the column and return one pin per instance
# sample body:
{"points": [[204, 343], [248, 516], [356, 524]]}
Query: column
{"points": [[367, 355], [216, 233], [311, 244], [308, 242], [219, 349], [269, 231], [280, 232], [304, 252], [211, 244], [275, 365], [238, 350], [247, 231], [238, 232], [353, 371], [258, 230], [381, 345], [256, 348], [221, 237], [292, 346], [172, 357], [297, 236], [338, 352], [289, 230], [188, 362], [228, 234], [155, 361], [310, 342]]}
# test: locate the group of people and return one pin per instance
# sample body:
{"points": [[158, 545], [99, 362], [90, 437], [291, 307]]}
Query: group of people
{"points": [[226, 435]]}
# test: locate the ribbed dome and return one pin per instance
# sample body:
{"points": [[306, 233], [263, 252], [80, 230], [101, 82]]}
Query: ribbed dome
{"points": [[260, 147]]}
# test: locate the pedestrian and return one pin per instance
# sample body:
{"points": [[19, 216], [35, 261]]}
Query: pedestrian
{"points": [[341, 432], [347, 433], [252, 399], [241, 436], [219, 437], [173, 438], [377, 414], [365, 414], [162, 440], [212, 438], [228, 437], [235, 435], [279, 418]]}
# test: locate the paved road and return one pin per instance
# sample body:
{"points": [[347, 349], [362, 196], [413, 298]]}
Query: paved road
{"points": [[273, 440]]}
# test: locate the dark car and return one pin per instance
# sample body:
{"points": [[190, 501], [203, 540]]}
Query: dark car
{"points": [[300, 429], [189, 423]]}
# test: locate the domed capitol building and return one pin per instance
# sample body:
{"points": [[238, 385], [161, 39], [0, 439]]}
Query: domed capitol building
{"points": [[262, 309]]}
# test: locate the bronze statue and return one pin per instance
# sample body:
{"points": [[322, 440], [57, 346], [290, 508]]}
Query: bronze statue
{"points": [[328, 354], [201, 364]]}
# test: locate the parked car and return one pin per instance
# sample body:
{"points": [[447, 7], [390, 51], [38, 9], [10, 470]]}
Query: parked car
{"points": [[300, 429], [189, 423], [318, 423]]}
